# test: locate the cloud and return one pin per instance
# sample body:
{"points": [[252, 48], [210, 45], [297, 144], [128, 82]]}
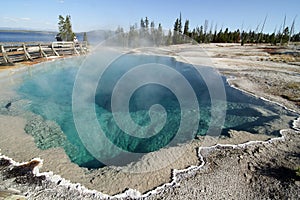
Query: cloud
{"points": [[61, 1], [16, 19], [25, 18], [50, 25]]}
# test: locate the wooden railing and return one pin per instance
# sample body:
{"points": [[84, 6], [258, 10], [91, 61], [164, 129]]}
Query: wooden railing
{"points": [[12, 53]]}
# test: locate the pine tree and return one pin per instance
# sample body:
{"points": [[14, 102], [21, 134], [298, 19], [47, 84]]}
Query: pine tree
{"points": [[133, 37], [61, 28], [159, 35], [186, 28], [200, 34], [65, 28], [142, 28], [220, 36], [285, 36], [61, 23], [153, 32], [85, 39], [68, 27], [142, 24], [169, 38], [180, 24], [272, 39], [147, 24], [205, 34], [225, 36], [214, 39], [120, 36], [243, 38], [146, 29], [296, 37], [176, 32]]}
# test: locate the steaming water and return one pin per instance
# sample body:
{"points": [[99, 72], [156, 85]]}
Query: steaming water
{"points": [[49, 92]]}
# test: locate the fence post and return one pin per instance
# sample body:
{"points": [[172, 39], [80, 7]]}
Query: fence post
{"points": [[26, 54], [55, 52], [75, 50], [85, 47], [81, 49], [42, 53], [4, 55]]}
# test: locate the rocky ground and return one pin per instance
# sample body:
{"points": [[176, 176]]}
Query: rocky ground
{"points": [[260, 171], [263, 170]]}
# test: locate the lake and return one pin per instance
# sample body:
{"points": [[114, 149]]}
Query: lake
{"points": [[26, 36], [94, 37]]}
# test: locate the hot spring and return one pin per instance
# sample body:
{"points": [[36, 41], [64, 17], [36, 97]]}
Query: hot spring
{"points": [[49, 93]]}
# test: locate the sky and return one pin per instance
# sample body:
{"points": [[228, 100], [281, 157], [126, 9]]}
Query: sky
{"points": [[87, 15]]}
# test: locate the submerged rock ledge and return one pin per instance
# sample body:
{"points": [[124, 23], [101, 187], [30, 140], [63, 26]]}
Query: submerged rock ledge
{"points": [[255, 158]]}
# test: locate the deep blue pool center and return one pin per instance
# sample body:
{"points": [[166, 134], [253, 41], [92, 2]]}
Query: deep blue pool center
{"points": [[49, 91]]}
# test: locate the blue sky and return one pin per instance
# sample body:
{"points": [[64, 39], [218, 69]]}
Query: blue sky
{"points": [[98, 14]]}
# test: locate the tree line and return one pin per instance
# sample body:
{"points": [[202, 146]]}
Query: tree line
{"points": [[146, 33]]}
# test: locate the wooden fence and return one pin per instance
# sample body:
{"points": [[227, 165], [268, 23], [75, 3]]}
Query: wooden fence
{"points": [[11, 53]]}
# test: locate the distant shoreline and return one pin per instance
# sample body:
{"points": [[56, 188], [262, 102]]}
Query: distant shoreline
{"points": [[26, 31]]}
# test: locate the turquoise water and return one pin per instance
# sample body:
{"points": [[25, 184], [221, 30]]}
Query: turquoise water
{"points": [[49, 91]]}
